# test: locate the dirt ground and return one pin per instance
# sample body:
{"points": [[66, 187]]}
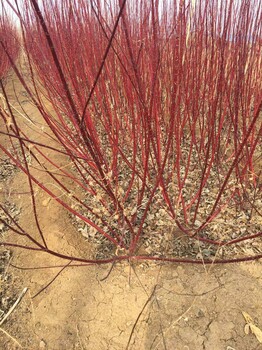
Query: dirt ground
{"points": [[136, 306]]}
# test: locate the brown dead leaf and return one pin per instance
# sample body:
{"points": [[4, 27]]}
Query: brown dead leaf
{"points": [[251, 326]]}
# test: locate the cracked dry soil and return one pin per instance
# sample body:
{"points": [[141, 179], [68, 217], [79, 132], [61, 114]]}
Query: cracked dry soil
{"points": [[190, 308], [137, 307]]}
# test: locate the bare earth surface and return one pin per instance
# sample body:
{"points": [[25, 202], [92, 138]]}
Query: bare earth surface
{"points": [[137, 306]]}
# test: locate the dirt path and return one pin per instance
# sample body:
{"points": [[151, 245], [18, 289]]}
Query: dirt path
{"points": [[145, 306]]}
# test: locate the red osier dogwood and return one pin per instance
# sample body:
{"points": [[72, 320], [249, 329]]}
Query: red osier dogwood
{"points": [[156, 106], [9, 45]]}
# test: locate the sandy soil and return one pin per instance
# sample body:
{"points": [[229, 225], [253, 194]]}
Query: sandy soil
{"points": [[139, 306]]}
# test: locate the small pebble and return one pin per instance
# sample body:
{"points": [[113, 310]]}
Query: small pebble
{"points": [[42, 345]]}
